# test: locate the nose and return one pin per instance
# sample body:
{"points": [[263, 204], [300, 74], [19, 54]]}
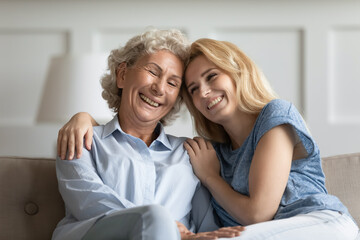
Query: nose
{"points": [[158, 87], [205, 90]]}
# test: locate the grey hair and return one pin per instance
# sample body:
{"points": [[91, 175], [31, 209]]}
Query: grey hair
{"points": [[146, 43]]}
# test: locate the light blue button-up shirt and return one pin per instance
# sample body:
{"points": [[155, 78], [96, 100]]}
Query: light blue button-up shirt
{"points": [[121, 171]]}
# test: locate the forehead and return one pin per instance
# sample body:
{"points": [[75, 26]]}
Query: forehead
{"points": [[197, 66], [164, 59]]}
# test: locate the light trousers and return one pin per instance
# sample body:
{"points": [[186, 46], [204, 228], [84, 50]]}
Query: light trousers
{"points": [[318, 225], [152, 222]]}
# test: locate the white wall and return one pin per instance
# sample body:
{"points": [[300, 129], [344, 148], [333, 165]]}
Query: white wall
{"points": [[309, 50]]}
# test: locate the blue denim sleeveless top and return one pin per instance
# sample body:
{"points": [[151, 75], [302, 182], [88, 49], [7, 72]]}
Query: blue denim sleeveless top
{"points": [[305, 190]]}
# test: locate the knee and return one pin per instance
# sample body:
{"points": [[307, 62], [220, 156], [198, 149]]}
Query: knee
{"points": [[157, 213], [158, 221]]}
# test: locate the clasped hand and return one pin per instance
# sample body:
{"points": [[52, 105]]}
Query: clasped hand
{"points": [[225, 232], [203, 158]]}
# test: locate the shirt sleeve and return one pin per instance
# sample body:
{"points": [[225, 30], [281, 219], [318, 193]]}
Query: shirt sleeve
{"points": [[280, 112], [84, 193]]}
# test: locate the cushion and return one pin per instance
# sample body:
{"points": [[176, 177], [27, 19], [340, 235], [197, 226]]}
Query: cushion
{"points": [[30, 203], [343, 180]]}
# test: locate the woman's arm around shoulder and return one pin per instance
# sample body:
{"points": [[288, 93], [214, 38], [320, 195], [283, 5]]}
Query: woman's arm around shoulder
{"points": [[71, 135]]}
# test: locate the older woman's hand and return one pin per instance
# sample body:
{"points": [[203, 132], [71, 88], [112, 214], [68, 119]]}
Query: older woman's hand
{"points": [[225, 232], [70, 137]]}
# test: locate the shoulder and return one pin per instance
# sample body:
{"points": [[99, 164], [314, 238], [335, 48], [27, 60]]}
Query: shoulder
{"points": [[175, 141], [98, 131], [277, 107], [104, 131], [275, 113], [280, 111]]}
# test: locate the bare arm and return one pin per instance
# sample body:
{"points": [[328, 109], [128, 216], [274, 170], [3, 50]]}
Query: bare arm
{"points": [[268, 175], [70, 137]]}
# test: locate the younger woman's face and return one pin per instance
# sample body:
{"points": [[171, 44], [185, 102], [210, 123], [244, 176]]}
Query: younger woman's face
{"points": [[213, 92]]}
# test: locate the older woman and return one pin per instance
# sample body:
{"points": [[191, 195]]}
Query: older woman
{"points": [[135, 181]]}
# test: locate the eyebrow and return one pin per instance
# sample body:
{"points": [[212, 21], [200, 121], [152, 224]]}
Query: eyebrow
{"points": [[206, 71], [202, 75], [160, 69]]}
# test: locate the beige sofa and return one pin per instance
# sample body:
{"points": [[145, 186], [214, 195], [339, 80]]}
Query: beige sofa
{"points": [[31, 206]]}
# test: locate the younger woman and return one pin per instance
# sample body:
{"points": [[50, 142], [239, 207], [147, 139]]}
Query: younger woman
{"points": [[264, 164]]}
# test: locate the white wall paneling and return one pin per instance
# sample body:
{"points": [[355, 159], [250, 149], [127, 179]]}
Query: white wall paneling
{"points": [[278, 52], [104, 40], [308, 50], [24, 58], [344, 75]]}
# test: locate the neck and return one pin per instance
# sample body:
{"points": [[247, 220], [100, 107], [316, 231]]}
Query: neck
{"points": [[239, 127], [145, 132]]}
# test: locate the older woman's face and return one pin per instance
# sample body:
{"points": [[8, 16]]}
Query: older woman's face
{"points": [[150, 87]]}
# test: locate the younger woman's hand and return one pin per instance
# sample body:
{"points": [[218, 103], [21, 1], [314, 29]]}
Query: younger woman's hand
{"points": [[203, 158], [71, 135]]}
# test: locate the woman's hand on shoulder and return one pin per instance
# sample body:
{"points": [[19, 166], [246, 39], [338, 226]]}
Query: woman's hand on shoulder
{"points": [[203, 158], [70, 136]]}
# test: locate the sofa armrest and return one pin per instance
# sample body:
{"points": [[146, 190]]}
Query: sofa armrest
{"points": [[30, 203], [343, 180]]}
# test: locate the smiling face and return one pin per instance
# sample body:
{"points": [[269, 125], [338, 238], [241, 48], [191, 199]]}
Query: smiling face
{"points": [[213, 92], [150, 87]]}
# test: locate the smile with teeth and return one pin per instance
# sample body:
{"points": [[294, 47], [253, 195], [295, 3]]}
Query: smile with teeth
{"points": [[214, 102], [149, 101]]}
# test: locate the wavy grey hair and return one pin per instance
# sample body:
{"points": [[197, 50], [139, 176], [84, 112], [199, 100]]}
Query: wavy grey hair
{"points": [[146, 43]]}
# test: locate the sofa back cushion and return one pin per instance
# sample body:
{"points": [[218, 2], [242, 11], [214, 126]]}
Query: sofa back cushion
{"points": [[343, 180], [30, 203], [31, 206]]}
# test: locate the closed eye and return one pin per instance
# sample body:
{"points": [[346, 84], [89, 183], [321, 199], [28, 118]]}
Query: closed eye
{"points": [[211, 76], [153, 69], [152, 72], [192, 90], [173, 83]]}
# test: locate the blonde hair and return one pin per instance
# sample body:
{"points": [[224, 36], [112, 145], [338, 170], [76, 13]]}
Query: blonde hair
{"points": [[253, 91], [147, 43]]}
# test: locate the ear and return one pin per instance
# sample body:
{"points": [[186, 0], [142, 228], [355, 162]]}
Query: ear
{"points": [[120, 75]]}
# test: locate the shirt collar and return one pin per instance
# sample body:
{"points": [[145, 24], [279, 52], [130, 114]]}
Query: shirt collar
{"points": [[111, 127], [114, 125], [162, 138]]}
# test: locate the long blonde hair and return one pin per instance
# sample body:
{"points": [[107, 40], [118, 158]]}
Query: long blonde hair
{"points": [[253, 91]]}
